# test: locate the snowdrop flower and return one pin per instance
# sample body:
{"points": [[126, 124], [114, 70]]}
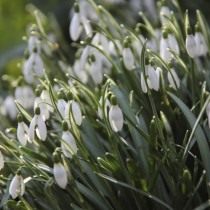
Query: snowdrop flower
{"points": [[208, 113], [202, 48], [73, 107], [61, 104], [22, 131], [33, 67], [190, 45], [107, 105], [44, 103], [59, 172], [37, 126], [68, 144], [173, 79], [95, 71], [25, 96], [115, 116], [34, 44], [173, 44], [80, 73], [75, 28], [78, 23], [128, 57], [87, 26], [45, 96], [164, 48], [153, 76], [17, 186], [10, 107], [1, 161]]}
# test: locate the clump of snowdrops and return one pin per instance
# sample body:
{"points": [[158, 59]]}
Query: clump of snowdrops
{"points": [[125, 126]]}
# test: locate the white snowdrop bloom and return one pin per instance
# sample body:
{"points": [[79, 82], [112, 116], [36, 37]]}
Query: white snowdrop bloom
{"points": [[173, 79], [202, 48], [37, 126], [1, 161], [87, 26], [45, 96], [112, 48], [80, 73], [68, 144], [107, 105], [208, 113], [76, 111], [143, 83], [153, 76], [60, 175], [17, 186], [96, 72], [45, 113], [10, 107], [116, 118], [72, 107], [33, 67], [75, 28], [191, 46], [173, 44], [164, 49], [128, 59], [61, 105], [34, 44], [87, 10], [164, 14], [22, 132], [84, 56], [25, 96]]}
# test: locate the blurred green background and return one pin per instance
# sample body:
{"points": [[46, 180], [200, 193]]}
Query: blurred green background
{"points": [[14, 19]]}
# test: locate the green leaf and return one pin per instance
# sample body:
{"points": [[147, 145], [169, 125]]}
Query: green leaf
{"points": [[199, 134]]}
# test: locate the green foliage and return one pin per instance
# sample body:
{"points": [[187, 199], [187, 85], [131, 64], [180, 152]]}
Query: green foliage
{"points": [[160, 158]]}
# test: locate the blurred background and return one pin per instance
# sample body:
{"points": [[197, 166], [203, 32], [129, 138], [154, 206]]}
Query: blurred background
{"points": [[16, 16]]}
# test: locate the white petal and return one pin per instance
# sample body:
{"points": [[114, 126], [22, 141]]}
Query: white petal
{"points": [[28, 75], [1, 160], [45, 96], [68, 145], [202, 48], [76, 111], [32, 127], [60, 175], [10, 107], [128, 58], [154, 78], [33, 43], [75, 27], [22, 133], [173, 44], [41, 130], [116, 118], [96, 72], [87, 26], [191, 46], [17, 186], [164, 52], [143, 83], [61, 105]]}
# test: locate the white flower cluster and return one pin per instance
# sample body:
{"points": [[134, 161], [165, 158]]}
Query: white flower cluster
{"points": [[99, 56]]}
